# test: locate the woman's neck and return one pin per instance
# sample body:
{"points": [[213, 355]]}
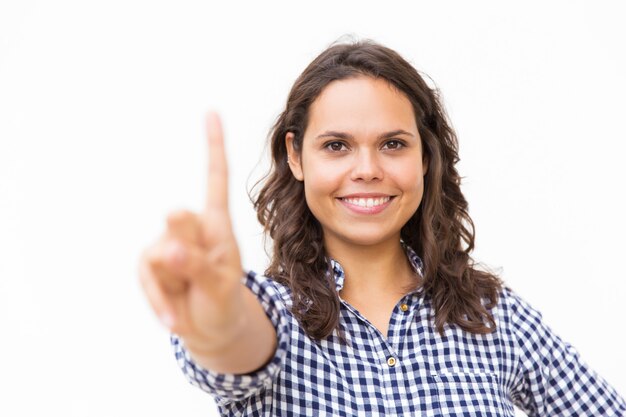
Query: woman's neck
{"points": [[374, 270]]}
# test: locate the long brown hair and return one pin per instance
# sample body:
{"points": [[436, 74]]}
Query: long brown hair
{"points": [[441, 231]]}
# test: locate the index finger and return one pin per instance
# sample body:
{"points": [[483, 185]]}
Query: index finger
{"points": [[217, 193]]}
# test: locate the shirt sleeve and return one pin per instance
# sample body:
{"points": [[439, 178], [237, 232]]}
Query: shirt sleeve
{"points": [[226, 388], [552, 379]]}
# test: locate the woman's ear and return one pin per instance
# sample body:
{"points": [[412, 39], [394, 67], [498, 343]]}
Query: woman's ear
{"points": [[425, 162], [293, 157]]}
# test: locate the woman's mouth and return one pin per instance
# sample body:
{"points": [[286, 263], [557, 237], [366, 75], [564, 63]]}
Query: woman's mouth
{"points": [[366, 205]]}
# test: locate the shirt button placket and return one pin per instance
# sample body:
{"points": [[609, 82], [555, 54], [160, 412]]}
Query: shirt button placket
{"points": [[391, 374]]}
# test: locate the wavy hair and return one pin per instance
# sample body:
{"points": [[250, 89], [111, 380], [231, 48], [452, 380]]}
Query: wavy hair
{"points": [[441, 231]]}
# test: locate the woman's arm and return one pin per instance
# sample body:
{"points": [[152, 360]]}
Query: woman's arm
{"points": [[245, 346], [192, 279], [553, 380]]}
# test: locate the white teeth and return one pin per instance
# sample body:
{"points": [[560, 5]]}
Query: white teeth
{"points": [[367, 202]]}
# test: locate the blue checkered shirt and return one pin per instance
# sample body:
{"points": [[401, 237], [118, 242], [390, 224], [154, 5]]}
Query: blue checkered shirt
{"points": [[412, 371]]}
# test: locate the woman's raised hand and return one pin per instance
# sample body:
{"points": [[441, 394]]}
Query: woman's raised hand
{"points": [[192, 274]]}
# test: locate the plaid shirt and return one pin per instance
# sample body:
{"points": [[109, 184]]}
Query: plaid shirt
{"points": [[413, 370]]}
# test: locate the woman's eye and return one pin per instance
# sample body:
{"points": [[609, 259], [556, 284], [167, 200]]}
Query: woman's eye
{"points": [[394, 144], [335, 146]]}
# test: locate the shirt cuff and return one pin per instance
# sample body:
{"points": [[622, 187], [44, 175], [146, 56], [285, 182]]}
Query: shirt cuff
{"points": [[225, 387]]}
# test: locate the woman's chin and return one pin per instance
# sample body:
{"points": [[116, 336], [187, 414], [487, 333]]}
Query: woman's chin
{"points": [[370, 239]]}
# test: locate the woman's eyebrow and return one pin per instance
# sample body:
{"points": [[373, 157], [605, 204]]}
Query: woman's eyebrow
{"points": [[344, 135]]}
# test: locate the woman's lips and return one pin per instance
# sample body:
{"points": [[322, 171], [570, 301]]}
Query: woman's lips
{"points": [[366, 205]]}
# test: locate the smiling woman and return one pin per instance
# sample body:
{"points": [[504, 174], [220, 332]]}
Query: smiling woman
{"points": [[337, 136], [372, 304]]}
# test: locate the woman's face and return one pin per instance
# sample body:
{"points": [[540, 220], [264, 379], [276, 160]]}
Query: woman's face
{"points": [[361, 162]]}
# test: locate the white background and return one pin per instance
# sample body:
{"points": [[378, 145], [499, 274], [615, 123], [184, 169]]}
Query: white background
{"points": [[101, 130]]}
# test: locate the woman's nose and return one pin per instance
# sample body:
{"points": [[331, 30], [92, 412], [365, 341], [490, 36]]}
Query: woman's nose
{"points": [[366, 166]]}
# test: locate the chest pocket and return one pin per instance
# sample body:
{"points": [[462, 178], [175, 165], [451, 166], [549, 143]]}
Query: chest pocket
{"points": [[470, 394]]}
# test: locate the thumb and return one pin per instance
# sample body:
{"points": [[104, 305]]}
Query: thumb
{"points": [[197, 264]]}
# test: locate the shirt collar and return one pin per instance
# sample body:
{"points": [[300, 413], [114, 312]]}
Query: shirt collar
{"points": [[416, 263]]}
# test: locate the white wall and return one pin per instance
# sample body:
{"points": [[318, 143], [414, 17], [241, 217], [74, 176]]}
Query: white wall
{"points": [[101, 135]]}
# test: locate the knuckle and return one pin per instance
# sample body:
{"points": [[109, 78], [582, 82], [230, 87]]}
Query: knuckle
{"points": [[217, 255], [189, 260], [198, 265], [177, 216], [186, 227]]}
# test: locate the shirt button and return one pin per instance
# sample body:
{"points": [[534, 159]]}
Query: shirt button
{"points": [[404, 307], [391, 361]]}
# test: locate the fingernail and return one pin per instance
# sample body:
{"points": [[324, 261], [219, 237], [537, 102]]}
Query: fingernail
{"points": [[176, 253]]}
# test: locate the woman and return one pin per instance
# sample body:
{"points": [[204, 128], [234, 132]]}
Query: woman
{"points": [[372, 304]]}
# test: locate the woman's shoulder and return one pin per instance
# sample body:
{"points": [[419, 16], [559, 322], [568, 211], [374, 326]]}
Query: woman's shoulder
{"points": [[515, 312], [509, 298]]}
